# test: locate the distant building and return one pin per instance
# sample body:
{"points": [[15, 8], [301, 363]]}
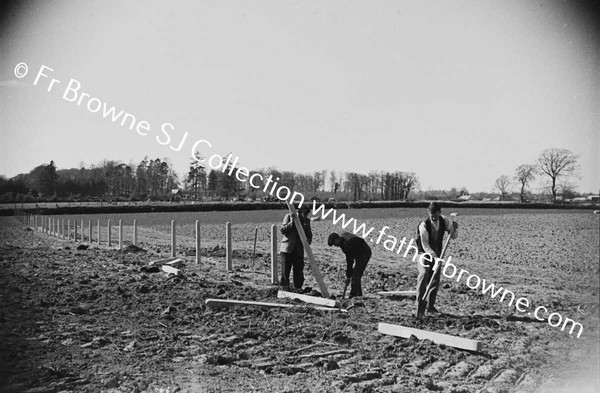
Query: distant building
{"points": [[593, 198]]}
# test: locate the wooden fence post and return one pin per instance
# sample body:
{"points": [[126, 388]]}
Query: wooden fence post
{"points": [[274, 262], [98, 224], [90, 231], [109, 232], [228, 250], [134, 232], [197, 241], [120, 235], [173, 239]]}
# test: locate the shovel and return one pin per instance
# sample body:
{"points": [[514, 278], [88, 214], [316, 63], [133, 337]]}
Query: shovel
{"points": [[344, 293]]}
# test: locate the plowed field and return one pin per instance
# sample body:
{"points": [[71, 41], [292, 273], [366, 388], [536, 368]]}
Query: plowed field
{"points": [[98, 319]]}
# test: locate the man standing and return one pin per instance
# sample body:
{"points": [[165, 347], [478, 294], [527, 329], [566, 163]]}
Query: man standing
{"points": [[292, 249], [357, 253], [430, 236]]}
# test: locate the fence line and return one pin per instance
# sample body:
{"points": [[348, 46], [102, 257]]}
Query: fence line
{"points": [[55, 227]]}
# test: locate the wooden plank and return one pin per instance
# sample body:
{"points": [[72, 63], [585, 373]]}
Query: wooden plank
{"points": [[398, 293], [308, 299], [438, 338], [160, 262], [169, 269], [216, 303], [175, 263], [309, 253]]}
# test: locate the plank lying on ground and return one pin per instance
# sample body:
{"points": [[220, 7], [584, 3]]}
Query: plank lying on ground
{"points": [[175, 263], [438, 338], [398, 293], [169, 269], [233, 303], [330, 353], [162, 261], [308, 299]]}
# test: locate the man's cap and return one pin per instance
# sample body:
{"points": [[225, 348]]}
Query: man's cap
{"points": [[332, 237], [303, 208], [434, 207]]}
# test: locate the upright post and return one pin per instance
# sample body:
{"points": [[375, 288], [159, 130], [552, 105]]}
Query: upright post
{"points": [[134, 232], [35, 222], [69, 229], [82, 232], [120, 235], [62, 220], [598, 212], [274, 262], [109, 232], [308, 250], [90, 231], [228, 260], [197, 241], [173, 240], [98, 224], [75, 233]]}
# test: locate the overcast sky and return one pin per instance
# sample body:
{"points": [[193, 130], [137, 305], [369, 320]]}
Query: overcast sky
{"points": [[459, 92]]}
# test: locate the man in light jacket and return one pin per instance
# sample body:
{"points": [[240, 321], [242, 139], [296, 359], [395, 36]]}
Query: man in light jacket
{"points": [[430, 236]]}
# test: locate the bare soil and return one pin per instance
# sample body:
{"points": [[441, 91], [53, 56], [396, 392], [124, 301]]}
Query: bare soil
{"points": [[98, 319]]}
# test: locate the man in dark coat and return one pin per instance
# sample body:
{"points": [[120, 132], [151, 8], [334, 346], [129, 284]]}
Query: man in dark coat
{"points": [[292, 249], [357, 253], [430, 236]]}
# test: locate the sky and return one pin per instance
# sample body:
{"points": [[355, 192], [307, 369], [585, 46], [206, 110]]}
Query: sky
{"points": [[459, 92]]}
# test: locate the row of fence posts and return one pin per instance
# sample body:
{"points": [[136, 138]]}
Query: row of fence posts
{"points": [[56, 227]]}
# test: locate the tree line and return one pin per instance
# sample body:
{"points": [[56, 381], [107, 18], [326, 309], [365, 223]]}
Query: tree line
{"points": [[155, 179]]}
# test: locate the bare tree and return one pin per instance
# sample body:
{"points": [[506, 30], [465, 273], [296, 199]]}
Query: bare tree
{"points": [[557, 163], [525, 174], [502, 184]]}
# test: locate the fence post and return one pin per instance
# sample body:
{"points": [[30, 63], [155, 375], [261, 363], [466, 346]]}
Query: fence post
{"points": [[98, 224], [120, 235], [274, 262], [75, 233], [69, 229], [173, 239], [228, 246], [134, 232], [82, 231], [197, 241], [90, 231], [109, 232]]}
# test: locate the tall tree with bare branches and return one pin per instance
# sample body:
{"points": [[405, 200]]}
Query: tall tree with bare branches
{"points": [[557, 163], [524, 174], [503, 184]]}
